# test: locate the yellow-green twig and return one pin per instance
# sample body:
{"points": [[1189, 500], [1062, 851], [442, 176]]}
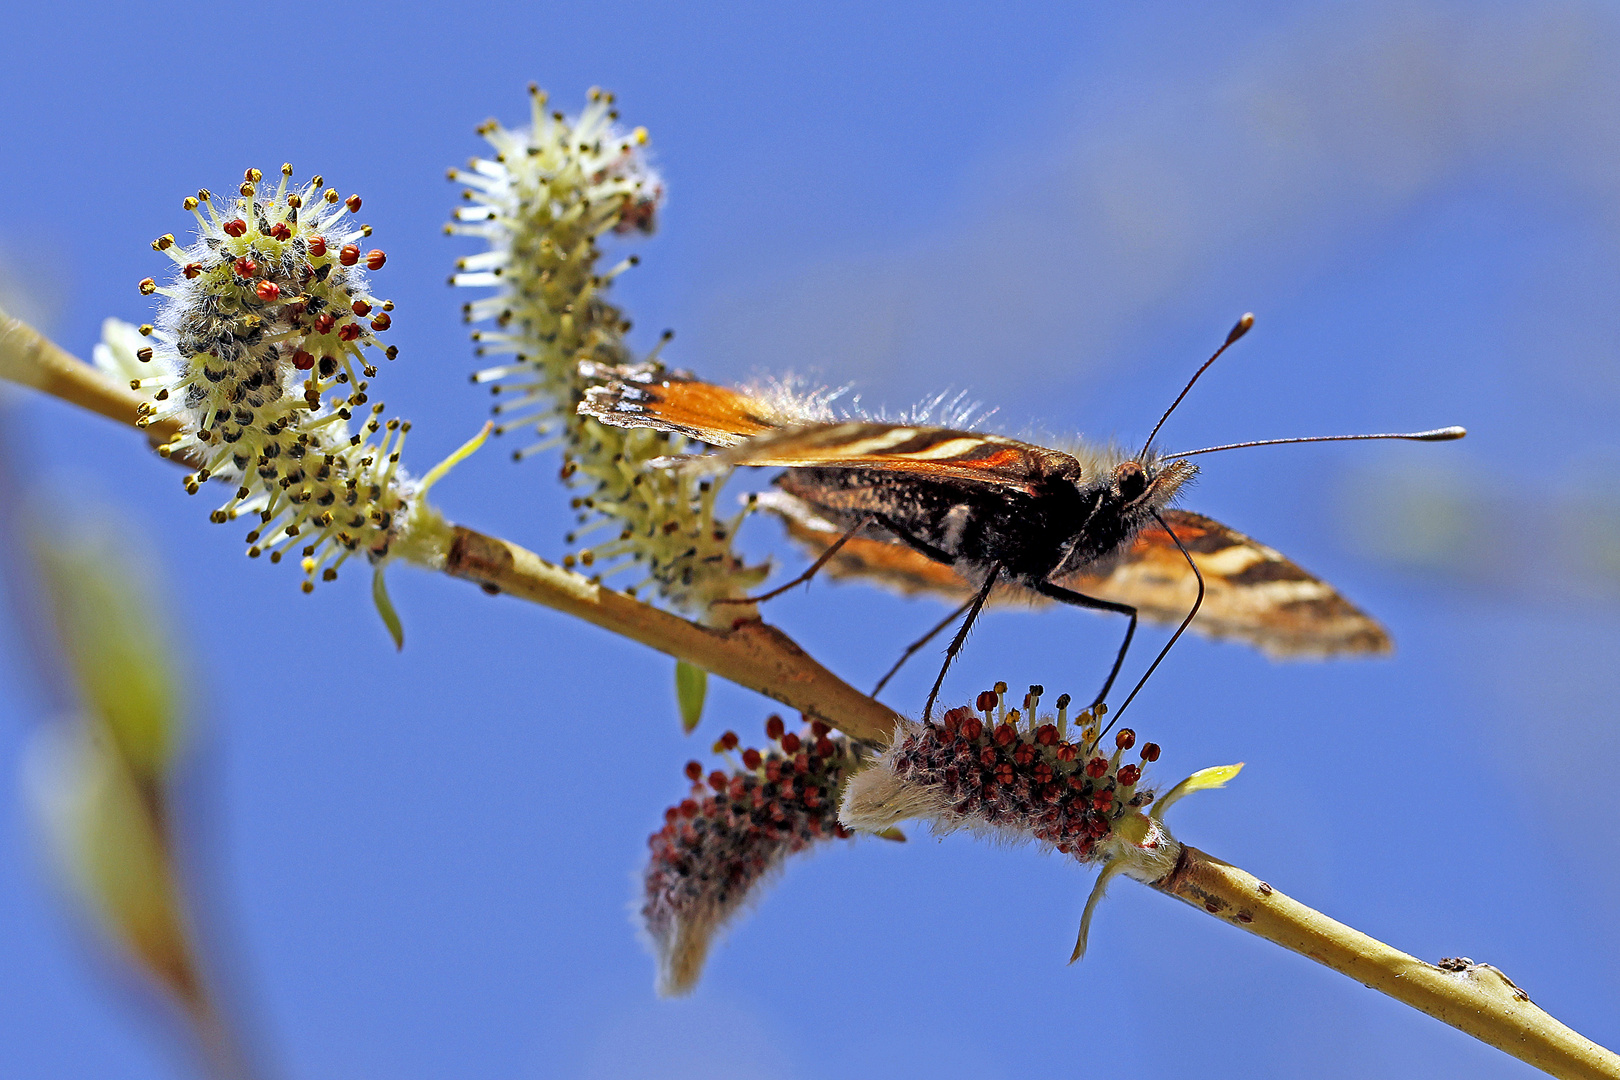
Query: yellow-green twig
{"points": [[1474, 998], [31, 359]]}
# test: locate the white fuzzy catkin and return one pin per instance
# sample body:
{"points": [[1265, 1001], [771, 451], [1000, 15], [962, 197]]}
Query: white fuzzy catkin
{"points": [[542, 202]]}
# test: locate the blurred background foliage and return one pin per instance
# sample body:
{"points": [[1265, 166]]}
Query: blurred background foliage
{"points": [[1551, 544], [101, 774]]}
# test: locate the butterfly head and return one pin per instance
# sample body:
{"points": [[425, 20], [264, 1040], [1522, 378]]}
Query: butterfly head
{"points": [[1117, 500], [1143, 486]]}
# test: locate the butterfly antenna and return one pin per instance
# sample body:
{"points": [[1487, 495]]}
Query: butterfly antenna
{"points": [[1238, 331], [1445, 434], [1197, 603]]}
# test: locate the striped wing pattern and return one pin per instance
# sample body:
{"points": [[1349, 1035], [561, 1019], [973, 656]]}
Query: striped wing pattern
{"points": [[1254, 594], [926, 451]]}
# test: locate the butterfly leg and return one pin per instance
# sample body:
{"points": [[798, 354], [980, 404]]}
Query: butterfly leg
{"points": [[821, 560], [919, 643], [961, 635], [1192, 613], [1069, 596], [973, 607]]}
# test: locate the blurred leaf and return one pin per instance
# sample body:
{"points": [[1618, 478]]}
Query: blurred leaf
{"points": [[691, 687], [115, 648], [385, 608], [1423, 516], [1596, 529], [103, 830], [1487, 531], [100, 776]]}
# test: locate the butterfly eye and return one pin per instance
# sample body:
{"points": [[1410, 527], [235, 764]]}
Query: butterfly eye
{"points": [[1130, 480]]}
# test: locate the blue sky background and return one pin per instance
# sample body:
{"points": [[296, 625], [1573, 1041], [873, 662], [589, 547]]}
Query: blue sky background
{"points": [[420, 865]]}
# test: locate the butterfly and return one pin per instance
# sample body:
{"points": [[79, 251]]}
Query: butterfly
{"points": [[983, 517]]}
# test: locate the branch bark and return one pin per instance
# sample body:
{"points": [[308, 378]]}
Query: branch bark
{"points": [[751, 653], [1473, 998], [31, 359]]}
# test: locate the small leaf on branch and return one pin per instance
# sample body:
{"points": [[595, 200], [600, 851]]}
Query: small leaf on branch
{"points": [[385, 608], [691, 687]]}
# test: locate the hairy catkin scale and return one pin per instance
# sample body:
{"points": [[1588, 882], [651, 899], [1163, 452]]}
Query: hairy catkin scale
{"points": [[269, 311], [719, 844], [542, 203], [1004, 773], [991, 769]]}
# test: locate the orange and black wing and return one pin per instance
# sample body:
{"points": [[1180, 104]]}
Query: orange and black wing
{"points": [[937, 453], [754, 431], [1253, 594], [672, 401]]}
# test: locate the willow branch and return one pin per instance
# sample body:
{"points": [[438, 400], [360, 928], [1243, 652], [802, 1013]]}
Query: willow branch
{"points": [[750, 653], [31, 359], [1474, 998]]}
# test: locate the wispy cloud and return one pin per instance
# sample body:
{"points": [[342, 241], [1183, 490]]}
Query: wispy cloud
{"points": [[1257, 173]]}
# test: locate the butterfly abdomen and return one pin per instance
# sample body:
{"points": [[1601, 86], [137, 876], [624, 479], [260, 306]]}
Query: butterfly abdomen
{"points": [[968, 527]]}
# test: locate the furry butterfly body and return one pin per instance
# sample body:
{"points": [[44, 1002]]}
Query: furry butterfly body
{"points": [[965, 499]]}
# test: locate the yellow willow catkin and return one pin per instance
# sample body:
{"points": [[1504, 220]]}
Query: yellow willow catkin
{"points": [[268, 313], [542, 202]]}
